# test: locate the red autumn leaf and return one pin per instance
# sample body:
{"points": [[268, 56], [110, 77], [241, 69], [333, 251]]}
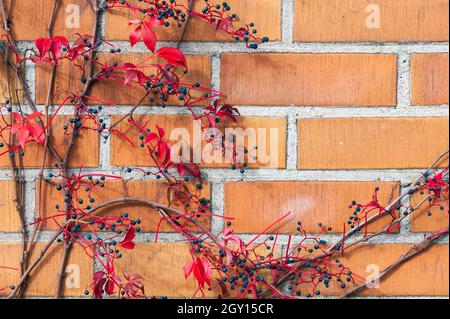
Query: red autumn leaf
{"points": [[53, 45], [229, 237], [144, 32], [188, 169], [27, 129], [105, 280], [172, 56], [135, 36], [79, 46], [127, 242], [58, 43], [131, 72], [201, 269], [134, 287], [43, 45]]}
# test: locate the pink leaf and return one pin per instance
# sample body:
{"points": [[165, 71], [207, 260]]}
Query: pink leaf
{"points": [[135, 35], [149, 38], [188, 269], [43, 45], [127, 242], [172, 56]]}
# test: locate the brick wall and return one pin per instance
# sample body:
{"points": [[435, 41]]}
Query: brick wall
{"points": [[357, 104]]}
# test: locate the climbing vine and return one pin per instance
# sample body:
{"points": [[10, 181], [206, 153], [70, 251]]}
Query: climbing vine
{"points": [[222, 264]]}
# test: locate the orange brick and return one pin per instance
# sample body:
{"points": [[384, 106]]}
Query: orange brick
{"points": [[38, 14], [424, 275], [429, 77], [366, 20], [149, 190], [9, 221], [309, 79], [266, 14], [42, 280], [123, 154], [68, 79], [86, 143], [161, 266], [369, 143], [256, 205], [10, 255], [422, 222]]}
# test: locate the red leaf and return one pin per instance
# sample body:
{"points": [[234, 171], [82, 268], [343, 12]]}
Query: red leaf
{"points": [[57, 43], [152, 22], [160, 131], [127, 242], [135, 35], [43, 45], [201, 269], [149, 38], [109, 288], [150, 138], [172, 56], [188, 269], [23, 136]]}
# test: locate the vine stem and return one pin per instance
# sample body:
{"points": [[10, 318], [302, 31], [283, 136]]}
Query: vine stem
{"points": [[5, 16], [91, 79], [186, 26], [411, 253], [17, 171], [47, 135], [163, 210], [348, 234]]}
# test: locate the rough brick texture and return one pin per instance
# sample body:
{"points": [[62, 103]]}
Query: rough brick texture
{"points": [[429, 78], [72, 16], [42, 281], [424, 275], [325, 79], [266, 14], [354, 143], [255, 205], [367, 21], [429, 220], [9, 221], [68, 80]]}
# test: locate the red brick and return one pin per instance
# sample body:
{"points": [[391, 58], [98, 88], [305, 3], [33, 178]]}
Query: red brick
{"points": [[42, 280]]}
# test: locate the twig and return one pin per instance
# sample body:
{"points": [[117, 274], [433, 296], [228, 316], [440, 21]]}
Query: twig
{"points": [[161, 209], [186, 26], [414, 251], [91, 79], [5, 16], [47, 134]]}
